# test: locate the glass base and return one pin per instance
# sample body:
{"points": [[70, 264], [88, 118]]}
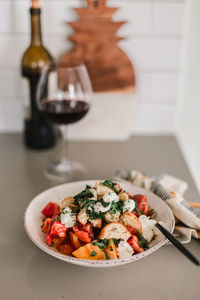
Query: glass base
{"points": [[65, 171]]}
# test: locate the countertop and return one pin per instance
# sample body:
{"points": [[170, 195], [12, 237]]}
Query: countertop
{"points": [[27, 273]]}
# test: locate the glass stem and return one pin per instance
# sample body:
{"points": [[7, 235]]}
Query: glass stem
{"points": [[64, 146]]}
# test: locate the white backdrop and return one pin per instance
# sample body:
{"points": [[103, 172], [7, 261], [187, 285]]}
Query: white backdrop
{"points": [[189, 105], [155, 32]]}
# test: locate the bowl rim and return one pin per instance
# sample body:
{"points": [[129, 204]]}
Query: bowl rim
{"points": [[94, 263]]}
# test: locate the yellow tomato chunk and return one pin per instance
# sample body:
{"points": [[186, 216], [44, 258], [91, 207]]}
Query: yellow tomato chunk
{"points": [[111, 250], [89, 251]]}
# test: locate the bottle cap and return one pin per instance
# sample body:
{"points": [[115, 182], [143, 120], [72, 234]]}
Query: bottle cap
{"points": [[35, 3]]}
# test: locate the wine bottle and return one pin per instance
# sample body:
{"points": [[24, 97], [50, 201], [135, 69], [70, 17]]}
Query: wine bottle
{"points": [[38, 133]]}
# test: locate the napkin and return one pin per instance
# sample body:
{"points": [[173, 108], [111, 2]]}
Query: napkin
{"points": [[171, 190]]}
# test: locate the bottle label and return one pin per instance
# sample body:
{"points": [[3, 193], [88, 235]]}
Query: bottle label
{"points": [[26, 98]]}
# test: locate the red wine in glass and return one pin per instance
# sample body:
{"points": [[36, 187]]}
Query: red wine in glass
{"points": [[64, 97], [64, 111]]}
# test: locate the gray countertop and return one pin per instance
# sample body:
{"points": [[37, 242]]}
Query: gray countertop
{"points": [[28, 273]]}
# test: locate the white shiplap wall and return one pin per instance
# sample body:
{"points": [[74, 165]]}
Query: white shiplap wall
{"points": [[155, 32]]}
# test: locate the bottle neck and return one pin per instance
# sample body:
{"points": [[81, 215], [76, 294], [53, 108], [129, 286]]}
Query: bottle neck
{"points": [[36, 36]]}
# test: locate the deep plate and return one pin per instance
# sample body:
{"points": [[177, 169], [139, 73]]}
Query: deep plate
{"points": [[33, 220]]}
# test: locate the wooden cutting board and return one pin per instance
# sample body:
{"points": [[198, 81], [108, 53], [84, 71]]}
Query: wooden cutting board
{"points": [[95, 43]]}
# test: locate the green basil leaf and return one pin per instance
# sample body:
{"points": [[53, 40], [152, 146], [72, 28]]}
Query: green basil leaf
{"points": [[93, 253], [110, 185]]}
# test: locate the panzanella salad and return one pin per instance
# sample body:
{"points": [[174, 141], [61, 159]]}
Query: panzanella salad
{"points": [[101, 222]]}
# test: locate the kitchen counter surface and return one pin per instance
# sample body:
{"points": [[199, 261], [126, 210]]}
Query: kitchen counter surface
{"points": [[27, 273]]}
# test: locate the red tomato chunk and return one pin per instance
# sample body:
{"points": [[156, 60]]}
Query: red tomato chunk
{"points": [[84, 232], [142, 203], [134, 243], [132, 230], [51, 209], [57, 230]]}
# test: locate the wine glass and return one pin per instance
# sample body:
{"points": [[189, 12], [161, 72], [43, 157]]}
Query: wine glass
{"points": [[63, 96]]}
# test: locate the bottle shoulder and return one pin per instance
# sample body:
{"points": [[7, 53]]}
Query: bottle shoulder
{"points": [[35, 57]]}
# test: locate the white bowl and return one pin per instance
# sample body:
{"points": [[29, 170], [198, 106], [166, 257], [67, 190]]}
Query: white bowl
{"points": [[33, 220]]}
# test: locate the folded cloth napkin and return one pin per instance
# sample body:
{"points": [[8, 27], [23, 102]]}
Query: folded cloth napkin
{"points": [[171, 190]]}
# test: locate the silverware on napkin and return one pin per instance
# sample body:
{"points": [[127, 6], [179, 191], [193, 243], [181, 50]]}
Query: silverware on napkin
{"points": [[162, 193]]}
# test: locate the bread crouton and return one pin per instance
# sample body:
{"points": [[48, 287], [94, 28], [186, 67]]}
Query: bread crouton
{"points": [[69, 201], [82, 216], [129, 219], [115, 230], [102, 189], [123, 196], [96, 223], [109, 218]]}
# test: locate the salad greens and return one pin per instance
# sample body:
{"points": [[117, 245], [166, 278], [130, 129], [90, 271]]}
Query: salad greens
{"points": [[111, 185], [102, 244]]}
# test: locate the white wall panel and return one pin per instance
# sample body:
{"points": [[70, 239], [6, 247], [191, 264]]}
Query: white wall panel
{"points": [[154, 53], [168, 18], [158, 119], [154, 45]]}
